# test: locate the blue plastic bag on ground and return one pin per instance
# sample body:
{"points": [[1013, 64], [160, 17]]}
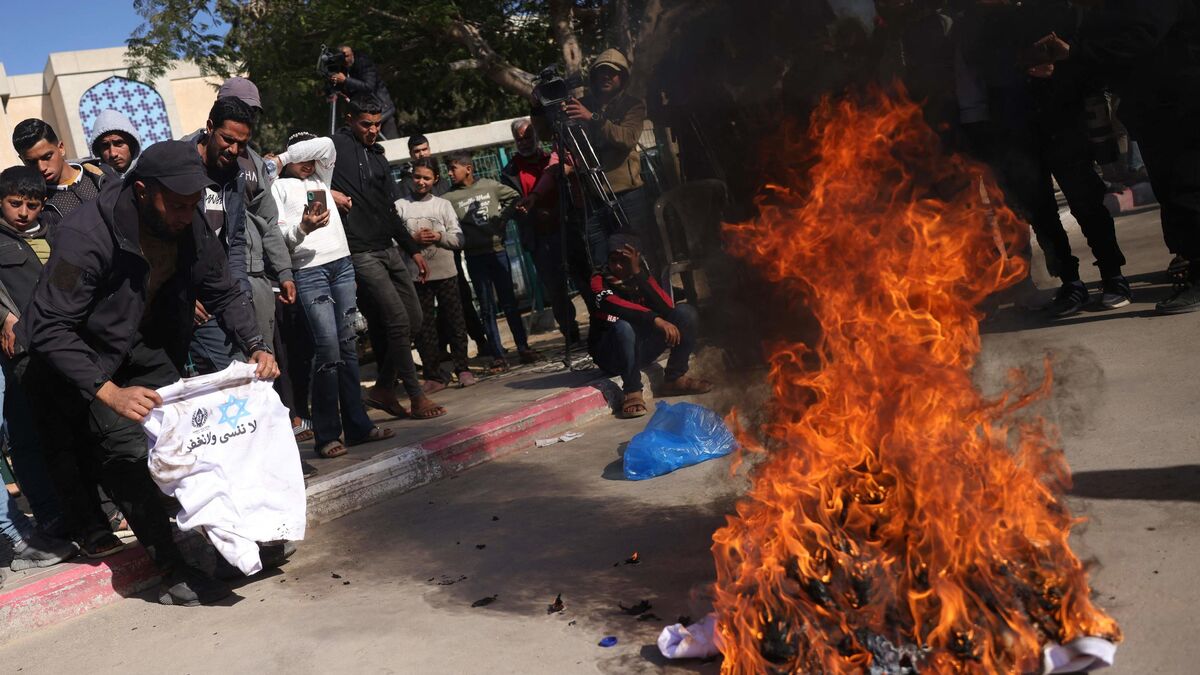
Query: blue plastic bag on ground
{"points": [[678, 435]]}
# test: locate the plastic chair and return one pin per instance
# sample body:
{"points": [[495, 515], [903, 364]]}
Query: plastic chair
{"points": [[689, 227]]}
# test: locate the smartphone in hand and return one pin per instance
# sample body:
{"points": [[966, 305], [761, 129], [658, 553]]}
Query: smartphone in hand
{"points": [[317, 196]]}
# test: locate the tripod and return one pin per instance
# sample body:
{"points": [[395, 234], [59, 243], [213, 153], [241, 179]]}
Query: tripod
{"points": [[571, 141]]}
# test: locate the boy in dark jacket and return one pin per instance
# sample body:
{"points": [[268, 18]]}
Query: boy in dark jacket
{"points": [[23, 249], [635, 322]]}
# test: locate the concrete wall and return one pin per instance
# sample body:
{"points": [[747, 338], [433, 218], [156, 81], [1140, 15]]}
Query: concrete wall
{"points": [[54, 96]]}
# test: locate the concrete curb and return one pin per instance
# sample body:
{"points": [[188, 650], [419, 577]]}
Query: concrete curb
{"points": [[73, 590]]}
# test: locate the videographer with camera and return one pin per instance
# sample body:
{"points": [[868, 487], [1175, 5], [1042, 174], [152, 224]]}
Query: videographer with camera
{"points": [[351, 74], [613, 119]]}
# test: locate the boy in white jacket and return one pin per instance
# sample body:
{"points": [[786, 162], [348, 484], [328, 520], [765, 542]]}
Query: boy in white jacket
{"points": [[312, 229]]}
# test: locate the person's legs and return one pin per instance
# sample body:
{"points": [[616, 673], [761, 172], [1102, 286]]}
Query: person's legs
{"points": [[477, 266], [1170, 146], [406, 293], [500, 274], [316, 299], [377, 290], [548, 259], [1071, 164], [29, 461], [60, 417], [355, 421], [211, 349], [617, 354], [448, 306], [470, 317], [15, 526], [427, 336], [685, 318]]}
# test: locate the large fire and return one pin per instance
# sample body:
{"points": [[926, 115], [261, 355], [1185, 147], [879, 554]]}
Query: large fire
{"points": [[901, 521]]}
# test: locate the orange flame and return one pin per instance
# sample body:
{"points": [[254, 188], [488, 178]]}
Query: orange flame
{"points": [[891, 521]]}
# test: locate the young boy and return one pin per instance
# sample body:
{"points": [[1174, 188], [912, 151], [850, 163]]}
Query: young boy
{"points": [[479, 203], [634, 322], [432, 223], [23, 249]]}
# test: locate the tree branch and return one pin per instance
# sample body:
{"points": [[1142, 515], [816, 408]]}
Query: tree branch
{"points": [[496, 67], [466, 64]]}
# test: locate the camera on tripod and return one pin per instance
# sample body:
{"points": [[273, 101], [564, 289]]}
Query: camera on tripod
{"points": [[551, 89], [330, 62]]}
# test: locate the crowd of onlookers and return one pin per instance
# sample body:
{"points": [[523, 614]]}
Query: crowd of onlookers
{"points": [[1088, 97], [127, 270]]}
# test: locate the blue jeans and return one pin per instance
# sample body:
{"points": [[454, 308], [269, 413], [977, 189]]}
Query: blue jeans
{"points": [[15, 526], [328, 296], [25, 450], [211, 349], [625, 349], [491, 271]]}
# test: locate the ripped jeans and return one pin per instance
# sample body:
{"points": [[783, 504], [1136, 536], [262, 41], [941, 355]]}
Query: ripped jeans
{"points": [[327, 294]]}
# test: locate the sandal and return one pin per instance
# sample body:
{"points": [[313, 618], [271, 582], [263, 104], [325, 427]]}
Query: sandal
{"points": [[432, 386], [302, 429], [685, 385], [529, 356], [331, 449], [395, 409], [376, 434], [425, 409], [101, 543], [466, 379], [633, 406], [498, 366]]}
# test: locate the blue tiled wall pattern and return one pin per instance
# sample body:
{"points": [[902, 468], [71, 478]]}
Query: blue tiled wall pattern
{"points": [[139, 102]]}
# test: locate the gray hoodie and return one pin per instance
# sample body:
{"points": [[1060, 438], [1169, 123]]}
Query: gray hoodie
{"points": [[111, 120]]}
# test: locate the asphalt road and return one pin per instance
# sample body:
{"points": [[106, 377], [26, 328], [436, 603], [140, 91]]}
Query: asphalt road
{"points": [[560, 520]]}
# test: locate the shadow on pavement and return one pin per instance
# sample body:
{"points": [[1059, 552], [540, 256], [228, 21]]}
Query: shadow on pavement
{"points": [[1160, 484]]}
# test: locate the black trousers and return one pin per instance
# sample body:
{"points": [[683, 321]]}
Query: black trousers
{"points": [[440, 304], [388, 298], [76, 430], [1027, 163], [1170, 145], [470, 317]]}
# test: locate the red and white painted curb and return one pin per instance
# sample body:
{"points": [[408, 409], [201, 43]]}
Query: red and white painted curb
{"points": [[70, 590]]}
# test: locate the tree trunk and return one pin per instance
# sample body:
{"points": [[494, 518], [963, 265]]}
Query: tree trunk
{"points": [[562, 25], [620, 30]]}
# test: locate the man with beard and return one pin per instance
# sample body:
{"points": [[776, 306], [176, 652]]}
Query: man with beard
{"points": [[110, 321]]}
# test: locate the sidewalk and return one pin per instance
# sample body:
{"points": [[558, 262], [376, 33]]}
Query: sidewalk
{"points": [[501, 414]]}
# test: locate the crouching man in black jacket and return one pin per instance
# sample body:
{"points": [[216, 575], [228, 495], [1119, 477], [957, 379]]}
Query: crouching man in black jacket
{"points": [[110, 321]]}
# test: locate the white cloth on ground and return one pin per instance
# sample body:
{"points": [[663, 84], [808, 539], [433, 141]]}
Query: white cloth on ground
{"points": [[1078, 656], [696, 641], [222, 445]]}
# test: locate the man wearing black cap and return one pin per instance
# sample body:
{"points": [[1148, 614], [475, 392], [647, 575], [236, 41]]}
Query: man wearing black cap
{"points": [[110, 321]]}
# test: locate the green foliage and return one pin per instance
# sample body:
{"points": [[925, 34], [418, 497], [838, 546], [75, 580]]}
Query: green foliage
{"points": [[276, 44]]}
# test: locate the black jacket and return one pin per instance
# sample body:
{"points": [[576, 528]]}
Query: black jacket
{"points": [[1149, 50], [364, 175], [89, 302], [363, 77]]}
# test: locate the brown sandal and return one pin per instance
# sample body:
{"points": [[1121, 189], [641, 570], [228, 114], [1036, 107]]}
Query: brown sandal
{"points": [[425, 409], [634, 405], [498, 366], [376, 434], [331, 449], [395, 409], [685, 385]]}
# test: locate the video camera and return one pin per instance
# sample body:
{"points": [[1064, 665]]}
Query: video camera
{"points": [[330, 62], [552, 89]]}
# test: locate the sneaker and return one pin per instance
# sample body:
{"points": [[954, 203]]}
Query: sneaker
{"points": [[41, 551], [466, 379], [1069, 300], [1116, 293], [1185, 297], [187, 586]]}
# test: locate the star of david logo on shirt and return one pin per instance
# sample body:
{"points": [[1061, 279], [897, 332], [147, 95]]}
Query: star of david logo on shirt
{"points": [[232, 411]]}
